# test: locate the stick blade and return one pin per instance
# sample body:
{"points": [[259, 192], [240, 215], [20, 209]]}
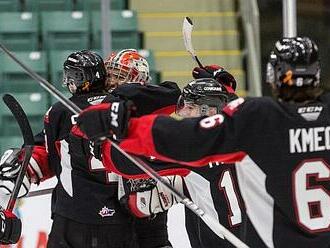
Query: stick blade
{"points": [[23, 122], [187, 28]]}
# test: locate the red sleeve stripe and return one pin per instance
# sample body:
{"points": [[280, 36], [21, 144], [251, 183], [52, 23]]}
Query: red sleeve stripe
{"points": [[140, 142], [232, 107], [109, 165], [166, 110], [75, 130]]}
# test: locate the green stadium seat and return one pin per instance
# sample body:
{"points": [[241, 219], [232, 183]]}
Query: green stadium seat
{"points": [[65, 30], [10, 142], [19, 31], [14, 79], [35, 106], [48, 5], [95, 4], [10, 5], [124, 26]]}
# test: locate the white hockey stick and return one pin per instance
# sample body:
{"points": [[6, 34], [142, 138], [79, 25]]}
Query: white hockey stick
{"points": [[187, 28], [214, 225]]}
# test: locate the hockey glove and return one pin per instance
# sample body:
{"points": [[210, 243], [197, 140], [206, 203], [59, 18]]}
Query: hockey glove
{"points": [[218, 73], [10, 165], [105, 120], [10, 227], [146, 197]]}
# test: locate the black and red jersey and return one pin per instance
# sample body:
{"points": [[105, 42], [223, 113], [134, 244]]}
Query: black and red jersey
{"points": [[281, 155], [86, 192]]}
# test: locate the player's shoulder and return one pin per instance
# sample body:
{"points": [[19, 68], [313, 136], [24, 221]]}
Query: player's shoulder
{"points": [[250, 106], [261, 103], [170, 85], [133, 89], [325, 97]]}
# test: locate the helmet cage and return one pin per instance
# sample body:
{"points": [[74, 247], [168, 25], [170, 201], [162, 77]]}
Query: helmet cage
{"points": [[127, 67], [204, 103], [75, 75]]}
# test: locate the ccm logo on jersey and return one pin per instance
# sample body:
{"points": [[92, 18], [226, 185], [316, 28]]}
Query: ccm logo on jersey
{"points": [[114, 114], [311, 109]]}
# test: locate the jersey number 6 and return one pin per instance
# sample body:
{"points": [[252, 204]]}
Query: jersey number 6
{"points": [[311, 199]]}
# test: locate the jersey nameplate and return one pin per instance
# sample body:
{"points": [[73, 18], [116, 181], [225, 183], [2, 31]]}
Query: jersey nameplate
{"points": [[314, 139]]}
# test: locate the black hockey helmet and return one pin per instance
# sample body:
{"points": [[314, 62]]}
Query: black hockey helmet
{"points": [[84, 71], [204, 92], [294, 62]]}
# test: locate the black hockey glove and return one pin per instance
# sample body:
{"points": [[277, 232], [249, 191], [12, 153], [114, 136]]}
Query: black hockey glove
{"points": [[218, 73], [10, 165], [10, 227], [105, 120]]}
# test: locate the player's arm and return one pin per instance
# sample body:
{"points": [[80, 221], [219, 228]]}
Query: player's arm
{"points": [[157, 99], [197, 141], [10, 164]]}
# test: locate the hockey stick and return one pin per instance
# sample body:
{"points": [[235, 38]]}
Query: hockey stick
{"points": [[215, 226], [26, 131], [187, 28], [40, 192]]}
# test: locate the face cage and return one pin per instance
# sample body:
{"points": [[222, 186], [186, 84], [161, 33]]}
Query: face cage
{"points": [[198, 108], [118, 74], [74, 78]]}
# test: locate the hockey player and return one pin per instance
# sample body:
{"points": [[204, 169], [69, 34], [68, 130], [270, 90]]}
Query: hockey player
{"points": [[128, 70], [126, 66], [86, 211], [201, 97], [206, 97], [280, 146]]}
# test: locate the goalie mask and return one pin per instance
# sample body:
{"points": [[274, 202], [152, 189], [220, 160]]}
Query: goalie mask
{"points": [[204, 96], [294, 62], [84, 71], [126, 66]]}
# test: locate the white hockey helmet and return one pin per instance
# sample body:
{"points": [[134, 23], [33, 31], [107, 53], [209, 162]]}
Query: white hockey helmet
{"points": [[126, 66]]}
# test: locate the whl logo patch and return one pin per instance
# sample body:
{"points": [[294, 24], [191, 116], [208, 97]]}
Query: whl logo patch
{"points": [[106, 212]]}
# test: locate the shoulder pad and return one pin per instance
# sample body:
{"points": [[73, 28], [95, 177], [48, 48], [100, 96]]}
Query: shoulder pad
{"points": [[233, 106], [169, 84]]}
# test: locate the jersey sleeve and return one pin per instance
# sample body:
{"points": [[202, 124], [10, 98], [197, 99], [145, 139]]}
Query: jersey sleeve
{"points": [[191, 142], [116, 162], [56, 126], [150, 99]]}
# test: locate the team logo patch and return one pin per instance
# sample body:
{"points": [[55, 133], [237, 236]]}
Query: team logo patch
{"points": [[95, 100], [310, 113], [106, 212]]}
